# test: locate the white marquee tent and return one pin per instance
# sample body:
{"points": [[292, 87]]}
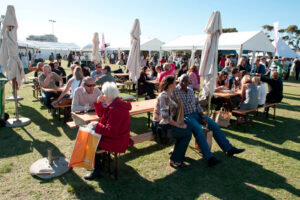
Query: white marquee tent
{"points": [[239, 41], [146, 45], [47, 47], [284, 50]]}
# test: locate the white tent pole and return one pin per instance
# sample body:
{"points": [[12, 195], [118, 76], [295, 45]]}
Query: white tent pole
{"points": [[253, 57], [240, 52]]}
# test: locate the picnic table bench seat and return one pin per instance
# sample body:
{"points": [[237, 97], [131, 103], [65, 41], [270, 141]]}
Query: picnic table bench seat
{"points": [[136, 139], [244, 113]]}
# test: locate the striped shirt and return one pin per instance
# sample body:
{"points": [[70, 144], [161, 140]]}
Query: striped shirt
{"points": [[190, 102]]}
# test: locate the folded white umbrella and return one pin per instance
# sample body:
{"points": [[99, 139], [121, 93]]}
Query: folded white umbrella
{"points": [[9, 59], [95, 52], [208, 66], [133, 63]]}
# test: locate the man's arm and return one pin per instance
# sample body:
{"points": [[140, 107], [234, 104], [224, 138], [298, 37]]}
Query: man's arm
{"points": [[75, 101]]}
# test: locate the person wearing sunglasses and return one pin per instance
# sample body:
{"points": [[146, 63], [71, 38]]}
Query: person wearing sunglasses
{"points": [[84, 97], [97, 73]]}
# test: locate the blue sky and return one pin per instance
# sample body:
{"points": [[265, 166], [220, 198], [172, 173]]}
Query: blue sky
{"points": [[76, 21]]}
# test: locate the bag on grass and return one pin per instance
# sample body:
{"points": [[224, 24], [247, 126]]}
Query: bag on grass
{"points": [[223, 118], [163, 135], [85, 147]]}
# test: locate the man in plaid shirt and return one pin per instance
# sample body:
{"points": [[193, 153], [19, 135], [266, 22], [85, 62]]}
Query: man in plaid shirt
{"points": [[195, 119]]}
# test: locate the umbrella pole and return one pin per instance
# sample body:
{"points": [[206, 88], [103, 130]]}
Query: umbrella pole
{"points": [[14, 83], [16, 122], [136, 89], [209, 105]]}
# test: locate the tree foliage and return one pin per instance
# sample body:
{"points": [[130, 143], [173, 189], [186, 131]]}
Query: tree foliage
{"points": [[291, 34], [229, 30]]}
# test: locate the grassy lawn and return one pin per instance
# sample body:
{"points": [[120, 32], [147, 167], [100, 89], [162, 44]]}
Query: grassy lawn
{"points": [[269, 169]]}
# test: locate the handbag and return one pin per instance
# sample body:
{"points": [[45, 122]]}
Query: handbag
{"points": [[85, 147], [223, 118], [163, 134], [179, 117]]}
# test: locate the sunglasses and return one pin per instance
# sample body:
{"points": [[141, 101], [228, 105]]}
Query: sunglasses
{"points": [[90, 85]]}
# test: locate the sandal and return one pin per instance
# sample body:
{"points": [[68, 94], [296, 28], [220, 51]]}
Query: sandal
{"points": [[176, 164]]}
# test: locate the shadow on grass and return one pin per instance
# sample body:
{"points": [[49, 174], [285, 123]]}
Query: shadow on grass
{"points": [[12, 143], [139, 124], [39, 120], [276, 131], [230, 180]]}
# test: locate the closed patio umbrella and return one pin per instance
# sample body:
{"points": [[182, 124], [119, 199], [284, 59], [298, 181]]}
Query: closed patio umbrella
{"points": [[95, 52], [208, 66], [9, 60], [133, 63]]}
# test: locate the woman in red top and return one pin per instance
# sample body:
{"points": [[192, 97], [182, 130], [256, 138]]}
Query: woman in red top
{"points": [[114, 124]]}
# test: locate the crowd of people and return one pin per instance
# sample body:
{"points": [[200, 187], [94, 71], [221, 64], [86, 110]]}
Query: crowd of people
{"points": [[114, 123]]}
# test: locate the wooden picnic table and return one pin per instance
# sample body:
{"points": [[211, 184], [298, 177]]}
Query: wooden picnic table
{"points": [[58, 89], [227, 93], [121, 74], [138, 107]]}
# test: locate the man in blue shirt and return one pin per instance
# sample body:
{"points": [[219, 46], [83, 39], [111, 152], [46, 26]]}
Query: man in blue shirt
{"points": [[97, 73], [257, 68]]}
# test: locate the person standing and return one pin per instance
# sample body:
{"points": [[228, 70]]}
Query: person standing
{"points": [[70, 59], [297, 68]]}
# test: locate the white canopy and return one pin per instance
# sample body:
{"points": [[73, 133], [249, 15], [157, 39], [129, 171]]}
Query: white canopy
{"points": [[284, 50], [49, 45], [253, 41], [146, 45]]}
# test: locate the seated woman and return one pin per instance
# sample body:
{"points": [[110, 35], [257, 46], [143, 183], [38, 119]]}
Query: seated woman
{"points": [[222, 80], [114, 124], [37, 70], [158, 72], [163, 116], [262, 91], [168, 70], [183, 70], [75, 82], [249, 94], [142, 81], [194, 78]]}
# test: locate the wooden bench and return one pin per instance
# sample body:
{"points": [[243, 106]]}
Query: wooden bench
{"points": [[72, 124], [244, 113], [128, 98], [136, 139], [66, 111]]}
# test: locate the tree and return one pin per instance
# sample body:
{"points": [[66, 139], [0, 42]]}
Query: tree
{"points": [[229, 30], [268, 29], [292, 36]]}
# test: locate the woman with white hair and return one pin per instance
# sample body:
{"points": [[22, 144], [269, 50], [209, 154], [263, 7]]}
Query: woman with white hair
{"points": [[249, 94], [114, 124]]}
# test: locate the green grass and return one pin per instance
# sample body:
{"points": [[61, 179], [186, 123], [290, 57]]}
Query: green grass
{"points": [[269, 169]]}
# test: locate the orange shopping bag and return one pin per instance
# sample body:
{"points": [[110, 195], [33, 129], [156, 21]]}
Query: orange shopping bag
{"points": [[86, 144]]}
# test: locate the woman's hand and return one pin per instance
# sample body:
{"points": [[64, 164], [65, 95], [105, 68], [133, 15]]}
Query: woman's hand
{"points": [[100, 99], [54, 103], [93, 124]]}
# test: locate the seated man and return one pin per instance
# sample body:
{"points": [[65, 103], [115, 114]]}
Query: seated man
{"points": [[84, 97], [48, 79], [195, 119], [275, 93], [97, 73], [106, 77], [258, 68]]}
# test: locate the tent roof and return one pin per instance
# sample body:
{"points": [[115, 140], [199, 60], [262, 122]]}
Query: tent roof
{"points": [[49, 45], [146, 45], [284, 50], [253, 40]]}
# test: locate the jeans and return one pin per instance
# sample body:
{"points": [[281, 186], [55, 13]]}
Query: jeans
{"points": [[183, 137], [46, 98], [194, 122]]}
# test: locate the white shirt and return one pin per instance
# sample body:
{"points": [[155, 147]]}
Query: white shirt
{"points": [[262, 93], [82, 58], [76, 58]]}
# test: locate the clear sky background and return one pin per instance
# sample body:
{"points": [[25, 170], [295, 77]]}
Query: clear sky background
{"points": [[76, 21]]}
